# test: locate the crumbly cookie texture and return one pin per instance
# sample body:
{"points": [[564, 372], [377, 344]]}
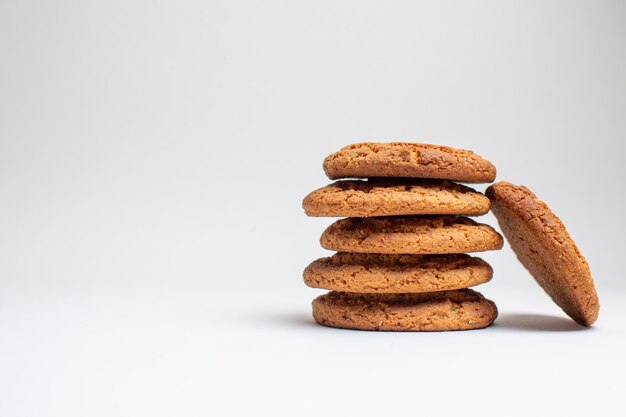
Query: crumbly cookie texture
{"points": [[543, 246], [412, 160], [418, 235], [438, 311], [389, 197], [379, 273]]}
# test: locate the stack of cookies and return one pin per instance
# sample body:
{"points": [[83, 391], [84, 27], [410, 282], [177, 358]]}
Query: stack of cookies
{"points": [[400, 263]]}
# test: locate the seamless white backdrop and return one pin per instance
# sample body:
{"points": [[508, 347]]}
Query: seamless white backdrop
{"points": [[154, 155]]}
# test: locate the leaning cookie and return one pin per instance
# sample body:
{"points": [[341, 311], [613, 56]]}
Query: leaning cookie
{"points": [[409, 160], [439, 311], [420, 235], [378, 273], [543, 246], [387, 197]]}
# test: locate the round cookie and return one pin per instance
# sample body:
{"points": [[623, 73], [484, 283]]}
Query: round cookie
{"points": [[378, 273], [409, 160], [386, 197], [420, 235], [438, 311], [544, 247]]}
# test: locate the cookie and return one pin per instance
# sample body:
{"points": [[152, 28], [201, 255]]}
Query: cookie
{"points": [[377, 273], [544, 247], [385, 197], [419, 235], [438, 311], [408, 160]]}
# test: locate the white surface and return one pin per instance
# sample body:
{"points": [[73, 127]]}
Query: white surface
{"points": [[154, 155], [181, 353]]}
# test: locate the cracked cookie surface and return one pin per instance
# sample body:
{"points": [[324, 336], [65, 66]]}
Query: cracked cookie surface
{"points": [[378, 273], [545, 248], [438, 311], [393, 197], [409, 160], [420, 235]]}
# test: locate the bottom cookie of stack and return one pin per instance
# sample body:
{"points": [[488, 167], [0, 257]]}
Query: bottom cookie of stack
{"points": [[436, 311]]}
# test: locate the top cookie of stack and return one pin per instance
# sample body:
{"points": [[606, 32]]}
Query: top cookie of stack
{"points": [[404, 210], [408, 160]]}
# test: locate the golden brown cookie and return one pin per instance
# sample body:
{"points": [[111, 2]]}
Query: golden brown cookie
{"points": [[419, 235], [409, 160], [544, 247], [377, 273], [437, 311], [388, 197]]}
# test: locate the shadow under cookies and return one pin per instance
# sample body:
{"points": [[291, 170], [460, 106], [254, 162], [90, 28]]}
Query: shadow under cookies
{"points": [[537, 322], [506, 321]]}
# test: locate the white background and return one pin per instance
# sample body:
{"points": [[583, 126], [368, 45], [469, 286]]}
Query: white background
{"points": [[154, 155]]}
